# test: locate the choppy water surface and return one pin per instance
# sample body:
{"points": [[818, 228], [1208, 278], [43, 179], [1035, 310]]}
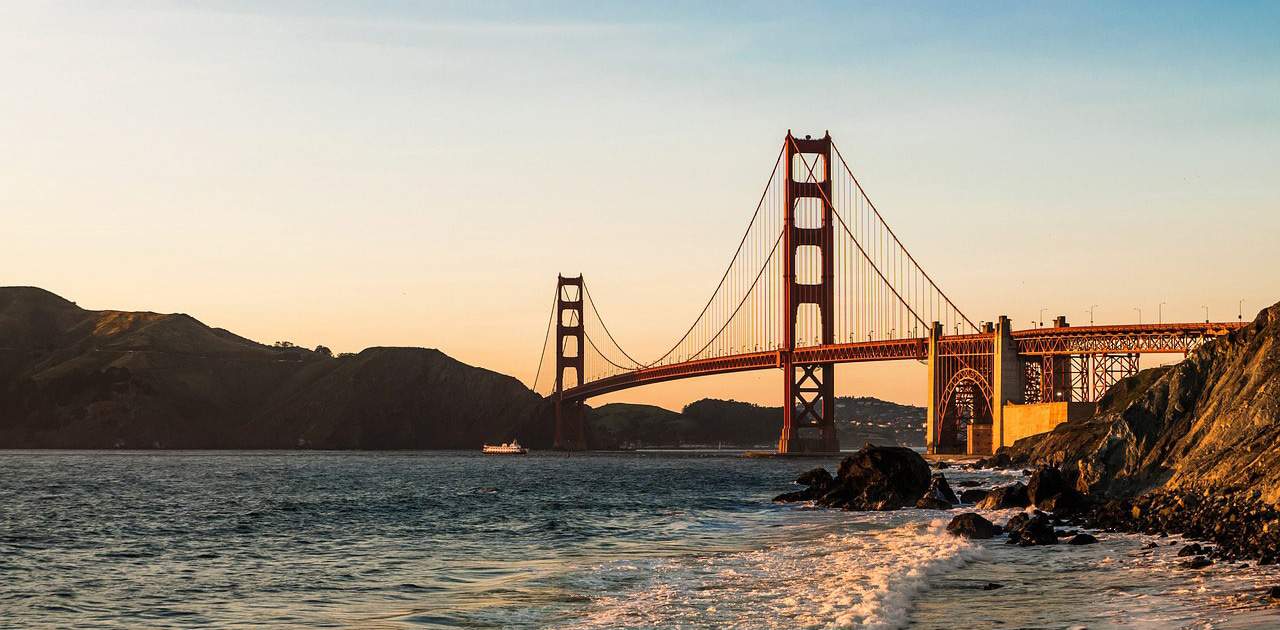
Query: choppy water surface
{"points": [[581, 541]]}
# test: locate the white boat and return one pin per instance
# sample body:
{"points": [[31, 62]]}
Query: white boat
{"points": [[510, 448]]}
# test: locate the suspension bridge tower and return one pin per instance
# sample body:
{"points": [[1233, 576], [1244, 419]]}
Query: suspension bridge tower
{"points": [[569, 357], [808, 410]]}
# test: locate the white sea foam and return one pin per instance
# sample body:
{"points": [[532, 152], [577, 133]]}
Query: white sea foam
{"points": [[865, 579]]}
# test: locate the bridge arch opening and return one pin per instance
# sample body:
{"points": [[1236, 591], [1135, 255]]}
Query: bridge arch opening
{"points": [[965, 422]]}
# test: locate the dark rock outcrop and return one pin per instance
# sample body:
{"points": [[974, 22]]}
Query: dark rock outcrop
{"points": [[1050, 490], [930, 503], [1194, 549], [874, 478], [973, 495], [818, 480], [939, 495], [1046, 482], [1000, 460], [795, 496], [972, 525], [1198, 562], [1013, 495], [940, 489], [1067, 503], [1082, 539], [878, 478], [815, 477], [1031, 529]]}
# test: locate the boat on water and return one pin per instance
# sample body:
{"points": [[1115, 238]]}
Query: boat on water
{"points": [[510, 448]]}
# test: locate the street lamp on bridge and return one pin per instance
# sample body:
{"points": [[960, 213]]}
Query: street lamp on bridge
{"points": [[1160, 313], [1139, 309], [1091, 313], [1240, 311], [1041, 318], [1206, 313]]}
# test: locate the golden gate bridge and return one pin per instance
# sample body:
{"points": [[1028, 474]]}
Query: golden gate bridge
{"points": [[819, 278]]}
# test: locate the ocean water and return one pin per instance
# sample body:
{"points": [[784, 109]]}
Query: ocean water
{"points": [[436, 539]]}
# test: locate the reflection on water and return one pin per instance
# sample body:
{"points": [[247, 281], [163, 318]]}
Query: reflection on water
{"points": [[594, 540]]}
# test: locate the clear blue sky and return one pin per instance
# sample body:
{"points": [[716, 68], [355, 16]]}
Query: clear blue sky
{"points": [[417, 173]]}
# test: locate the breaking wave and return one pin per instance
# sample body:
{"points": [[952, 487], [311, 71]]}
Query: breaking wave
{"points": [[865, 579]]}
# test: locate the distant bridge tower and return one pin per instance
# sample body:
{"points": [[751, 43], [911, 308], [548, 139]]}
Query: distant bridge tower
{"points": [[569, 356], [808, 410]]}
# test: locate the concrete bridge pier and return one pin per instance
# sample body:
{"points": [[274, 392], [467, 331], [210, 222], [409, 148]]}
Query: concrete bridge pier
{"points": [[1007, 385], [931, 415]]}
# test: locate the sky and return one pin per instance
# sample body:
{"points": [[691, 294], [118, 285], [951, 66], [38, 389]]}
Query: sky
{"points": [[397, 173]]}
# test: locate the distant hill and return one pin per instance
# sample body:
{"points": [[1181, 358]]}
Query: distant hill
{"points": [[75, 378], [711, 422]]}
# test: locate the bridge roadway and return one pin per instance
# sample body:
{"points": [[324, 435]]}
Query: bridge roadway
{"points": [[1066, 340]]}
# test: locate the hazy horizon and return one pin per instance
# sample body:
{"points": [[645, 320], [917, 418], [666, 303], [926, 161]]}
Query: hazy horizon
{"points": [[417, 176]]}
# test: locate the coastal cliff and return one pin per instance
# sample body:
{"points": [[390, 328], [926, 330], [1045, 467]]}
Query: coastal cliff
{"points": [[1209, 425]]}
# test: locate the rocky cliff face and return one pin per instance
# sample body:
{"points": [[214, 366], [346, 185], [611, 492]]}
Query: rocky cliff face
{"points": [[74, 378], [1210, 423]]}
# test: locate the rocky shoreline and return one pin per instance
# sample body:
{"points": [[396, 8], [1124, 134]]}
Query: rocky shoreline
{"points": [[1239, 528], [1225, 529]]}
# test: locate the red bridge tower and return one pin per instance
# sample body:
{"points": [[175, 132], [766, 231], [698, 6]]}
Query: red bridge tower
{"points": [[808, 410], [569, 349]]}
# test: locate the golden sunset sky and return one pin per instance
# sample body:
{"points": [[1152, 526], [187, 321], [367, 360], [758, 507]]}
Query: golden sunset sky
{"points": [[418, 175]]}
